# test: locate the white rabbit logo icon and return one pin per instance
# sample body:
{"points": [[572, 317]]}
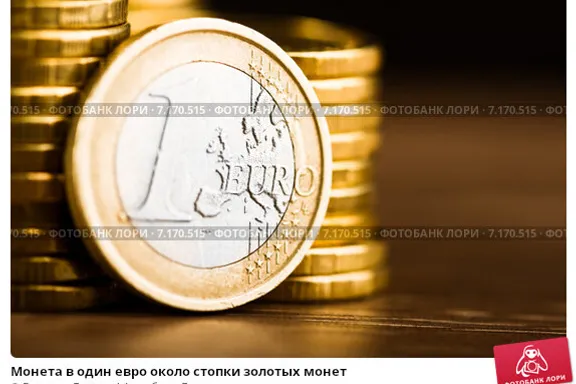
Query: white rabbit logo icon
{"points": [[531, 362]]}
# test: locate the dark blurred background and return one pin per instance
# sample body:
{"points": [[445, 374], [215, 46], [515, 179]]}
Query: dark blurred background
{"points": [[446, 35]]}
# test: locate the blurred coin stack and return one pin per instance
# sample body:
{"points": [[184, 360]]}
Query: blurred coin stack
{"points": [[56, 46], [343, 66]]}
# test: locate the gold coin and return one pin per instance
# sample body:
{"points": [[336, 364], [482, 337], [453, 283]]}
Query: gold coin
{"points": [[321, 49], [345, 200], [347, 90], [67, 43], [351, 173], [40, 215], [353, 123], [358, 220], [37, 157], [40, 298], [37, 187], [37, 241], [342, 259], [51, 269], [29, 102], [142, 181], [39, 129], [65, 71], [340, 286], [354, 145], [68, 14]]}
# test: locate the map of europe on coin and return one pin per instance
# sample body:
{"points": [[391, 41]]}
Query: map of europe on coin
{"points": [[206, 171]]}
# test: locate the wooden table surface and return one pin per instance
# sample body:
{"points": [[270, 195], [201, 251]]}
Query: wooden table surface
{"points": [[445, 299]]}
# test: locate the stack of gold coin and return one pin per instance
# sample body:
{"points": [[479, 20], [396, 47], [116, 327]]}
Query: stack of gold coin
{"points": [[56, 46], [342, 66]]}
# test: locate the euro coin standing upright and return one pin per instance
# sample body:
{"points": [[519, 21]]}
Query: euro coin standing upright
{"points": [[56, 46], [180, 172], [343, 67]]}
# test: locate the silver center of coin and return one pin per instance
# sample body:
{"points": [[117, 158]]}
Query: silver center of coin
{"points": [[182, 176]]}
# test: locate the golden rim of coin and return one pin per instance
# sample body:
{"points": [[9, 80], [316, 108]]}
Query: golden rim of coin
{"points": [[40, 215], [355, 145], [36, 157], [344, 200], [321, 48], [353, 123], [347, 90], [40, 298], [53, 71], [351, 173], [37, 187], [51, 269], [342, 259], [341, 286], [91, 164], [68, 14], [29, 102], [30, 43], [39, 129]]}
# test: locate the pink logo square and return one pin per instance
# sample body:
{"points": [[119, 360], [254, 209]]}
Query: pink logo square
{"points": [[541, 361]]}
